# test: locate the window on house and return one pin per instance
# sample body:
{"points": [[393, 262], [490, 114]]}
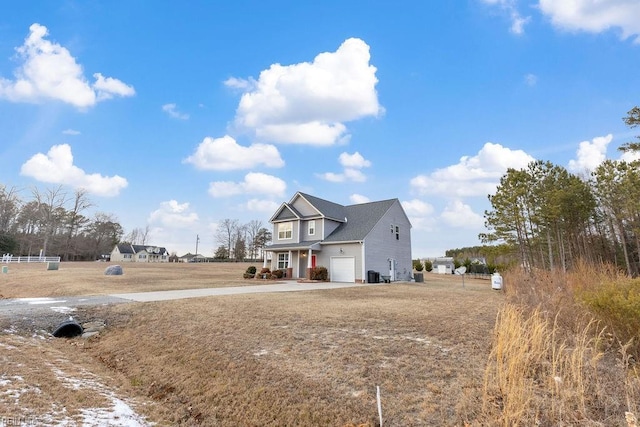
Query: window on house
{"points": [[391, 228], [127, 256], [283, 261], [397, 233], [312, 228], [285, 230]]}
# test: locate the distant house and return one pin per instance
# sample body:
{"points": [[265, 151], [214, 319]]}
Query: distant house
{"points": [[443, 265], [125, 252], [350, 241], [189, 257]]}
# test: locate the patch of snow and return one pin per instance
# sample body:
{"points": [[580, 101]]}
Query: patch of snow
{"points": [[119, 414]]}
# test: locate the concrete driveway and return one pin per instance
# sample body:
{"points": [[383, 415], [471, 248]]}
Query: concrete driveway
{"points": [[64, 305]]}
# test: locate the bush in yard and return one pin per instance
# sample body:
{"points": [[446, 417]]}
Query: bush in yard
{"points": [[417, 265], [617, 305], [319, 273], [428, 265], [279, 274], [265, 273], [250, 273]]}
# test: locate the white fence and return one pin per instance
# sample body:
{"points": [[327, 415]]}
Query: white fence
{"points": [[35, 258]]}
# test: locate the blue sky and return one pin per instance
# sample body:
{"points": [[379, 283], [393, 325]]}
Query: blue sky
{"points": [[177, 115]]}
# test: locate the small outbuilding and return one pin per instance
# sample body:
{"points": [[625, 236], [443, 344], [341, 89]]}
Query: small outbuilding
{"points": [[443, 265]]}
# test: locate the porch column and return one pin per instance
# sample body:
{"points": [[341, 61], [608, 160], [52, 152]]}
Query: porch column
{"points": [[309, 264], [289, 268]]}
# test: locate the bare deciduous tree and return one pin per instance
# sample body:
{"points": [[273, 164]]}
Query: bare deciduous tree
{"points": [[50, 203], [226, 233]]}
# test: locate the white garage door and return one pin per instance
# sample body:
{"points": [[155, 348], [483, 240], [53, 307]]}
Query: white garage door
{"points": [[343, 269]]}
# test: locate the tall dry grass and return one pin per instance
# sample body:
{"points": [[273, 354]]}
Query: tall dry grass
{"points": [[553, 362]]}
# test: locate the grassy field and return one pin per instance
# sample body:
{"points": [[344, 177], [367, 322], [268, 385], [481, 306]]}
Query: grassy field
{"points": [[26, 280], [305, 358]]}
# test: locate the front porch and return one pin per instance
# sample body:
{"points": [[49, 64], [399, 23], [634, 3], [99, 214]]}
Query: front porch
{"points": [[296, 260]]}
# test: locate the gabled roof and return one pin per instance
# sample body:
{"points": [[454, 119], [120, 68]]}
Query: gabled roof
{"points": [[356, 221], [360, 220], [149, 249], [285, 212], [125, 248], [326, 208]]}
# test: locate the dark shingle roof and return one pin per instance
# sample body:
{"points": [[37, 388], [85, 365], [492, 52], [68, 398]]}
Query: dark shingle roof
{"points": [[125, 248], [327, 209], [294, 246], [361, 219]]}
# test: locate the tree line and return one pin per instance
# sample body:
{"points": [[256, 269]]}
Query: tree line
{"points": [[239, 242], [52, 222], [553, 218]]}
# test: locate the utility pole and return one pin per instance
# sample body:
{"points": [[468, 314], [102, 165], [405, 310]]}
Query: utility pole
{"points": [[197, 241]]}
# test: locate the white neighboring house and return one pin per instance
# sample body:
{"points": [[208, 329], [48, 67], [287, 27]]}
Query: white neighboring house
{"points": [[126, 252], [350, 241]]}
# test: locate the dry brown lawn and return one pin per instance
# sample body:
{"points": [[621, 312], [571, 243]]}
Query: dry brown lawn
{"points": [[26, 280], [305, 358]]}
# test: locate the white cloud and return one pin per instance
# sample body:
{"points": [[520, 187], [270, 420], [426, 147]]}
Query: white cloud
{"points": [[107, 87], [518, 22], [226, 154], [630, 156], [172, 111], [254, 183], [333, 177], [308, 103], [49, 72], [510, 7], [472, 176], [174, 215], [243, 84], [176, 226], [459, 214], [262, 206], [595, 15], [590, 154], [72, 132], [359, 199], [57, 167], [417, 207], [352, 164], [421, 214], [354, 160]]}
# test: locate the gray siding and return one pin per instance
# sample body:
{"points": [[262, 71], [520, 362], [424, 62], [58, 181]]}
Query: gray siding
{"points": [[381, 244], [294, 233], [304, 208], [304, 230], [323, 258], [329, 227]]}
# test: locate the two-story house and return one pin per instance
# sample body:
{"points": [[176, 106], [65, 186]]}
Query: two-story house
{"points": [[126, 252], [348, 240]]}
